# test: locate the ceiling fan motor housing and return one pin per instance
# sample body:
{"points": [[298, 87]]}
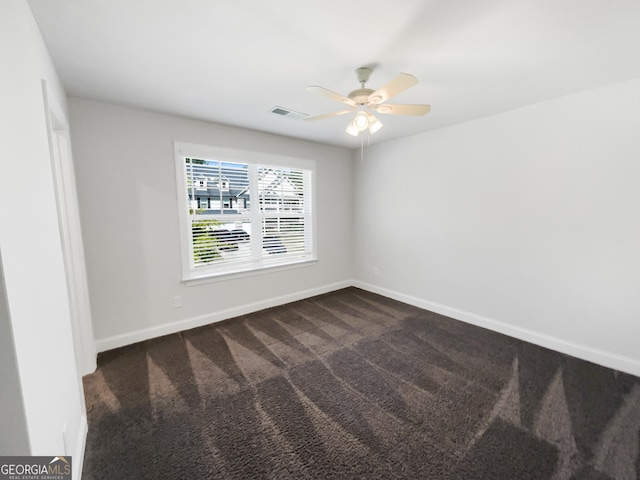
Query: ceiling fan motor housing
{"points": [[361, 95]]}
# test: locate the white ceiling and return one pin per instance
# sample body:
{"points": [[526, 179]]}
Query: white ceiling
{"points": [[231, 61]]}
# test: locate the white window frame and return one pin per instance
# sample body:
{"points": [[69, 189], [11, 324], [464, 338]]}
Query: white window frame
{"points": [[192, 275]]}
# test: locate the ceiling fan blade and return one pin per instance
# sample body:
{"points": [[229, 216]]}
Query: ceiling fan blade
{"points": [[401, 109], [328, 115], [332, 95], [393, 88]]}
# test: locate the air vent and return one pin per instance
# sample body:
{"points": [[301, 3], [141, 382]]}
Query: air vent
{"points": [[285, 112]]}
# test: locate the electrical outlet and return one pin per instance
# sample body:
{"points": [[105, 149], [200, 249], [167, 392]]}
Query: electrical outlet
{"points": [[376, 270], [177, 301]]}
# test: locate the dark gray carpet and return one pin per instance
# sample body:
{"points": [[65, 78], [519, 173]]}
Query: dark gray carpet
{"points": [[354, 385]]}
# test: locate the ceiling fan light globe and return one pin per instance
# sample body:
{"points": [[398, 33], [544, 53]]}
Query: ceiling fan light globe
{"points": [[352, 130], [374, 123], [375, 126], [361, 122]]}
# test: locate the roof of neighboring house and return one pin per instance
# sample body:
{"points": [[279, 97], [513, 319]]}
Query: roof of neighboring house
{"points": [[222, 169], [238, 178]]}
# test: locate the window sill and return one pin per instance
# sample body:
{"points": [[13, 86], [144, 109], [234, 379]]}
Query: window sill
{"points": [[220, 277]]}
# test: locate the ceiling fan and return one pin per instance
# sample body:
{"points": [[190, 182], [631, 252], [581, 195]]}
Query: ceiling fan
{"points": [[371, 100]]}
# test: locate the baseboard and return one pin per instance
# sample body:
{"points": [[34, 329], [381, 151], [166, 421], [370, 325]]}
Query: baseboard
{"points": [[600, 357], [117, 341], [78, 455]]}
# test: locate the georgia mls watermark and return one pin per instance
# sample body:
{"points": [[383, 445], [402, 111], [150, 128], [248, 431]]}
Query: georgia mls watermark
{"points": [[35, 468]]}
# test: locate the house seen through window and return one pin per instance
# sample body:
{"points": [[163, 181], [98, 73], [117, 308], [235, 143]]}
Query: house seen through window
{"points": [[239, 216]]}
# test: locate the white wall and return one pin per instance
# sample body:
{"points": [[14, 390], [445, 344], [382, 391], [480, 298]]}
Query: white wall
{"points": [[33, 265], [128, 204], [14, 439], [527, 222]]}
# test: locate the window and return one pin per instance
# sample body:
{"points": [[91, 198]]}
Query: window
{"points": [[254, 212]]}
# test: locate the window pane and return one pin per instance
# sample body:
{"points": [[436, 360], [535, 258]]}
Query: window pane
{"points": [[216, 187], [284, 236], [280, 189], [221, 244]]}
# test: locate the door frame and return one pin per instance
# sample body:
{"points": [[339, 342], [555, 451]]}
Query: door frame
{"points": [[70, 235]]}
